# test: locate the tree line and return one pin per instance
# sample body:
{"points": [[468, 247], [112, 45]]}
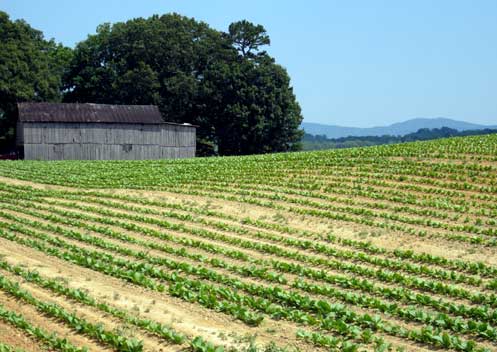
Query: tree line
{"points": [[224, 82], [318, 142]]}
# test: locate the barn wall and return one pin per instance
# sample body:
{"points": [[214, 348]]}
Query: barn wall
{"points": [[19, 134], [102, 141]]}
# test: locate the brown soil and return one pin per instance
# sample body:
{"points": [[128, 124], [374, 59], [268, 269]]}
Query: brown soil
{"points": [[192, 319], [393, 321], [189, 319], [18, 339], [36, 318]]}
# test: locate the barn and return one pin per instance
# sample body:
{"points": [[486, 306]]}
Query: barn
{"points": [[53, 131]]}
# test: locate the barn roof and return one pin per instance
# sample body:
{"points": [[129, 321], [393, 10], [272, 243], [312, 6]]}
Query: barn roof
{"points": [[58, 112]]}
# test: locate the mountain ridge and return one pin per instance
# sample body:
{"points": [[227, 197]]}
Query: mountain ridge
{"points": [[395, 129]]}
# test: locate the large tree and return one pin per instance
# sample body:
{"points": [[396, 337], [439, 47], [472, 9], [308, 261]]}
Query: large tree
{"points": [[31, 69], [252, 108], [159, 60], [222, 82]]}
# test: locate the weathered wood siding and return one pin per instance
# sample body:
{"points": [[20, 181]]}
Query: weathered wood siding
{"points": [[105, 141], [19, 134]]}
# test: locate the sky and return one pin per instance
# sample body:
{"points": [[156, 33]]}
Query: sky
{"points": [[352, 63]]}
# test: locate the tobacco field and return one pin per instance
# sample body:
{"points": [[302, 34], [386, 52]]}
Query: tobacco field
{"points": [[389, 248]]}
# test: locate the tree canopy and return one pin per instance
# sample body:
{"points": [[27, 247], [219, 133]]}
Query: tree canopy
{"points": [[237, 95], [224, 82], [31, 69], [318, 142], [247, 37]]}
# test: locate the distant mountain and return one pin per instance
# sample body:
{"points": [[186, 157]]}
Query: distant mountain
{"points": [[396, 129]]}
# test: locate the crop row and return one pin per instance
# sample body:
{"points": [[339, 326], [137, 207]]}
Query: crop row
{"points": [[78, 324], [183, 288], [345, 282], [481, 312], [472, 267], [394, 277], [335, 194], [305, 244], [50, 340], [81, 296], [345, 212], [135, 272], [322, 306], [242, 197], [148, 174], [479, 268]]}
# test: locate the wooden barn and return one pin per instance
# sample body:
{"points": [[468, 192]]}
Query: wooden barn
{"points": [[52, 131]]}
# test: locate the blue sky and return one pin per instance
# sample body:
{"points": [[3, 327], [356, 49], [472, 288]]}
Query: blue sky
{"points": [[355, 63]]}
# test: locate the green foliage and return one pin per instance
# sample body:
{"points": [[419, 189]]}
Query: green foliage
{"points": [[50, 340], [200, 345], [77, 323], [247, 37], [243, 103], [345, 294], [31, 69], [343, 321], [319, 142], [83, 297], [255, 109], [6, 348]]}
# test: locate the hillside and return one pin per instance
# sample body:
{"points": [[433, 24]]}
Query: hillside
{"points": [[387, 248], [396, 129], [320, 142]]}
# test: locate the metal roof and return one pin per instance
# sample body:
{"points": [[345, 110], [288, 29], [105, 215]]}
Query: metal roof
{"points": [[59, 112]]}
